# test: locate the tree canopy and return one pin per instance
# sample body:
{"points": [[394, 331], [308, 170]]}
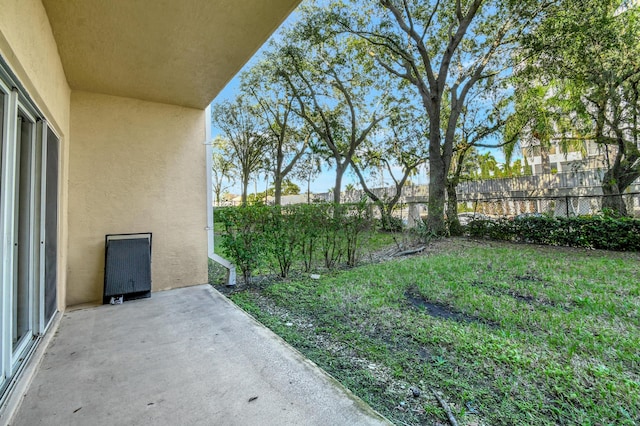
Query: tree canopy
{"points": [[447, 51], [582, 79], [391, 85]]}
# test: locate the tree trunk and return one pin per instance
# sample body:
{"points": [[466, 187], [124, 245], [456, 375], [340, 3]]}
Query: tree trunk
{"points": [[277, 195], [255, 189], [620, 175], [612, 194], [437, 181], [544, 158], [452, 208], [386, 216], [277, 179], [336, 189], [452, 197], [245, 188]]}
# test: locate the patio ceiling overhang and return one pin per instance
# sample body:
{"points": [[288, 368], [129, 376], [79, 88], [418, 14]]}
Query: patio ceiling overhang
{"points": [[180, 52]]}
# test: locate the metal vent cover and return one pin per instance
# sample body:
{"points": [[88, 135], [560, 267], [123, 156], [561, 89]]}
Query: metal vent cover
{"points": [[127, 266]]}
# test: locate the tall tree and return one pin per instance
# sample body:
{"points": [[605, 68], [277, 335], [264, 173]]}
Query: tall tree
{"points": [[443, 49], [288, 139], [239, 123], [309, 167], [583, 61], [222, 167], [327, 75]]}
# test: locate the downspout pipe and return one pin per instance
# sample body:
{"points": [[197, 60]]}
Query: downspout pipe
{"points": [[230, 267]]}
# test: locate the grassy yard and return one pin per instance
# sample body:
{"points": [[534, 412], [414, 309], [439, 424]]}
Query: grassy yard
{"points": [[505, 334]]}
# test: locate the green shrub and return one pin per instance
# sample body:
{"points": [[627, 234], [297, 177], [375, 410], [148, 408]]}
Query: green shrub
{"points": [[309, 220], [279, 237], [391, 223], [244, 238], [283, 239], [355, 220], [218, 212], [598, 232], [478, 228]]}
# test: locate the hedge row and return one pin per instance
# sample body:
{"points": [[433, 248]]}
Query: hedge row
{"points": [[280, 238], [598, 232]]}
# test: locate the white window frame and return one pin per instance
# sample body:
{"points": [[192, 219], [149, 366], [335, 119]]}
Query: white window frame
{"points": [[4, 261], [7, 203]]}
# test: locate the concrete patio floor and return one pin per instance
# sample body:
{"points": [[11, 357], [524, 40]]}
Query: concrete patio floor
{"points": [[182, 357]]}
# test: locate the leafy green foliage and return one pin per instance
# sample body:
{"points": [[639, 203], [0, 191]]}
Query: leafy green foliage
{"points": [[239, 123], [307, 215], [454, 56], [597, 232], [334, 89], [287, 187], [218, 214], [353, 222], [391, 223], [281, 237], [244, 238], [223, 169], [580, 82]]}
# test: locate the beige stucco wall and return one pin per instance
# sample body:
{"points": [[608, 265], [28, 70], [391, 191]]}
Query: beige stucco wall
{"points": [[135, 166], [108, 144], [28, 46]]}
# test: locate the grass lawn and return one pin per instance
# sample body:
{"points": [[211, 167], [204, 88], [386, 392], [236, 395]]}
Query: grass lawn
{"points": [[505, 334]]}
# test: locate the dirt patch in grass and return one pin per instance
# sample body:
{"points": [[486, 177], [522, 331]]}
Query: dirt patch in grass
{"points": [[439, 310], [434, 309], [528, 277], [519, 296]]}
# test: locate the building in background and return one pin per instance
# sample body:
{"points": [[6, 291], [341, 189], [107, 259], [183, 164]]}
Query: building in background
{"points": [[589, 156]]}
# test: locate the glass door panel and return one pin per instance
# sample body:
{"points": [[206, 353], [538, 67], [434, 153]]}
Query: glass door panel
{"points": [[23, 282], [50, 219]]}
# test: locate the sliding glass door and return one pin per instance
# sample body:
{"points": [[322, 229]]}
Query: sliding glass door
{"points": [[28, 225]]}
